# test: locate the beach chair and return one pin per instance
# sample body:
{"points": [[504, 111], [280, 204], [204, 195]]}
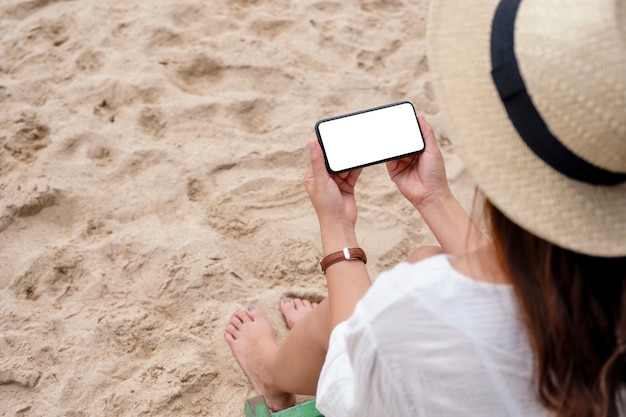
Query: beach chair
{"points": [[257, 407]]}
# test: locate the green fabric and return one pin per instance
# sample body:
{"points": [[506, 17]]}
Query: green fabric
{"points": [[257, 407]]}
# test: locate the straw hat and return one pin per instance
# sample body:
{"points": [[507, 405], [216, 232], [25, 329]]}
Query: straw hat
{"points": [[560, 70]]}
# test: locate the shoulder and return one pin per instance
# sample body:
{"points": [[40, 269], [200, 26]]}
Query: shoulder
{"points": [[405, 278], [424, 252], [434, 293]]}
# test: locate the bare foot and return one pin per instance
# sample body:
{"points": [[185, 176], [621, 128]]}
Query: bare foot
{"points": [[253, 342], [294, 309]]}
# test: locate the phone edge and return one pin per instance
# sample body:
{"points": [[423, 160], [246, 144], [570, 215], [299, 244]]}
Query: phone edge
{"points": [[319, 137]]}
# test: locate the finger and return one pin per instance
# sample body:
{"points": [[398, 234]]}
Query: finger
{"points": [[392, 165], [398, 165], [351, 177], [430, 142], [355, 173]]}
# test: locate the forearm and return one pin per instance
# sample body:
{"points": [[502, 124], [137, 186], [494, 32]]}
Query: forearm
{"points": [[347, 280], [453, 228]]}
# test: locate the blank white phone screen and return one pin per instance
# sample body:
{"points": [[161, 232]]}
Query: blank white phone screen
{"points": [[369, 137]]}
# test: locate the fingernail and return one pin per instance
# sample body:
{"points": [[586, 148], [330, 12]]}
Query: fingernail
{"points": [[251, 307], [286, 300]]}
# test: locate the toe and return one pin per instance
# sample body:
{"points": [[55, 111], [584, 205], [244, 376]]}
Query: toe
{"points": [[241, 315], [235, 322], [254, 314], [231, 333], [286, 305]]}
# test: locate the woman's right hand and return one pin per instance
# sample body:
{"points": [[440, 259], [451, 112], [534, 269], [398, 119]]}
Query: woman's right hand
{"points": [[421, 178], [332, 195]]}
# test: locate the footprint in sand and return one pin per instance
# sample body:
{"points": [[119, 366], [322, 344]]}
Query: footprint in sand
{"points": [[29, 138], [381, 5], [245, 204], [112, 97], [242, 3], [207, 75], [374, 61], [29, 204], [26, 8], [18, 367], [151, 121], [195, 189], [90, 61], [163, 37], [39, 40], [270, 28], [52, 275], [254, 201]]}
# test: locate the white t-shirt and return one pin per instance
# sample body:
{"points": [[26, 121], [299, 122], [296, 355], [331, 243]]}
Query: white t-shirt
{"points": [[428, 341]]}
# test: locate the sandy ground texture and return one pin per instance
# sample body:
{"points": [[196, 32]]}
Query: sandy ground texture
{"points": [[151, 164]]}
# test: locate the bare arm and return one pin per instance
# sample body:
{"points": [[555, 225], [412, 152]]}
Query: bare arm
{"points": [[422, 180], [453, 228], [334, 203]]}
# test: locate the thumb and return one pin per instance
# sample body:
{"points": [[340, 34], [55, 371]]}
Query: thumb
{"points": [[318, 166], [427, 131]]}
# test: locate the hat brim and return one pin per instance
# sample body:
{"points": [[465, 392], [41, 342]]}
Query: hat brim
{"points": [[571, 214]]}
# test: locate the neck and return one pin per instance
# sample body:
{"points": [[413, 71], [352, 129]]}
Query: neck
{"points": [[481, 265]]}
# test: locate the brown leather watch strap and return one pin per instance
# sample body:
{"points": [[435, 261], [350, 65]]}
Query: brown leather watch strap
{"points": [[347, 254]]}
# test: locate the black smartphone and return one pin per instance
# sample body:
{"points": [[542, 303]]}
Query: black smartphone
{"points": [[369, 136]]}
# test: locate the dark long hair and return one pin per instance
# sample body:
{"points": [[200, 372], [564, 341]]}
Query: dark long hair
{"points": [[574, 306]]}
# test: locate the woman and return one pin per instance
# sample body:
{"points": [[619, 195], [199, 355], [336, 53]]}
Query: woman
{"points": [[531, 321]]}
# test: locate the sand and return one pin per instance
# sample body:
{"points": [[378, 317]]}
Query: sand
{"points": [[151, 164]]}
